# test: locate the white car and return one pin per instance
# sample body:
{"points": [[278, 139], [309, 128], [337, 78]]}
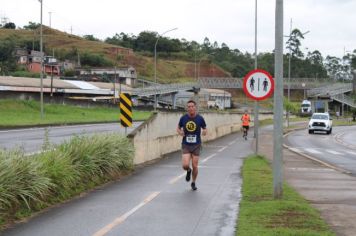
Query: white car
{"points": [[320, 122]]}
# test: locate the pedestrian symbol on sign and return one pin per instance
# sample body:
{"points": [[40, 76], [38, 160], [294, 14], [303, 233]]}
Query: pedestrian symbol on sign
{"points": [[258, 84]]}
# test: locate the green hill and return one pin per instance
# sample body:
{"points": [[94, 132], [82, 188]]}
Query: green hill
{"points": [[68, 46]]}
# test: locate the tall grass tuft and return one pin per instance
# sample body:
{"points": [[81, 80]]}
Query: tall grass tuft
{"points": [[21, 183], [30, 183], [99, 155]]}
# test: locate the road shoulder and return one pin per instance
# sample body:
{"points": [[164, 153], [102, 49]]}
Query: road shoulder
{"points": [[332, 192]]}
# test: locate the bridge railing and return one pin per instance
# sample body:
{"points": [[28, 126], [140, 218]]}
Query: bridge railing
{"points": [[344, 99], [163, 89], [330, 90]]}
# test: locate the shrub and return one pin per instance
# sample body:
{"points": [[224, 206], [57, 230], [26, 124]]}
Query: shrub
{"points": [[21, 183], [33, 182], [26, 74]]}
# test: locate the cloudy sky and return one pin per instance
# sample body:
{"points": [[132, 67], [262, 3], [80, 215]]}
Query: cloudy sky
{"points": [[331, 22]]}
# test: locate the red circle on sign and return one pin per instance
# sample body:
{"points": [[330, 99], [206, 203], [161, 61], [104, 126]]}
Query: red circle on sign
{"points": [[267, 76]]}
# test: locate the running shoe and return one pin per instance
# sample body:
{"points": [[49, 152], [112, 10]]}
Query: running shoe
{"points": [[193, 186], [189, 173]]}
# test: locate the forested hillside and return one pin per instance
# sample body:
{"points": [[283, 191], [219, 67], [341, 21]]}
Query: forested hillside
{"points": [[178, 59]]}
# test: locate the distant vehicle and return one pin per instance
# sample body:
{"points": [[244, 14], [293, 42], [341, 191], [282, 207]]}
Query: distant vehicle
{"points": [[306, 107], [320, 122]]}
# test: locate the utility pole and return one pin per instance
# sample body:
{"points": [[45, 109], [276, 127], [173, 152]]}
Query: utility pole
{"points": [[255, 120], [155, 65], [41, 52], [289, 69], [278, 104], [50, 16], [114, 101]]}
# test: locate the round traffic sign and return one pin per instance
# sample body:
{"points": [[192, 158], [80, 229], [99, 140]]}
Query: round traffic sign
{"points": [[258, 84]]}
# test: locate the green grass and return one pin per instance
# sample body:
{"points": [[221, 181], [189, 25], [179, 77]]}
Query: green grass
{"points": [[260, 214], [31, 183], [26, 113]]}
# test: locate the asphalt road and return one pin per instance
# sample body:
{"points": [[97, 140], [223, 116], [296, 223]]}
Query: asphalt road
{"points": [[32, 139], [156, 199], [337, 149]]}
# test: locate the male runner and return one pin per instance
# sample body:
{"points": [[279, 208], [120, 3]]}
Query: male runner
{"points": [[245, 124], [191, 126]]}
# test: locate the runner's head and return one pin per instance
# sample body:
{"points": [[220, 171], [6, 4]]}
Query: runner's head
{"points": [[191, 107]]}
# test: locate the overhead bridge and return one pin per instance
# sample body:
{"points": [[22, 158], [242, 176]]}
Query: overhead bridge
{"points": [[334, 92]]}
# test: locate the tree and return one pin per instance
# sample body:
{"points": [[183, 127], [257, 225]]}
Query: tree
{"points": [[353, 60], [31, 26], [145, 41], [315, 58], [9, 25], [294, 43], [122, 39], [333, 66], [206, 44], [7, 58], [90, 37]]}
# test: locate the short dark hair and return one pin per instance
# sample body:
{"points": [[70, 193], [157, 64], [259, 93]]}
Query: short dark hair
{"points": [[192, 101]]}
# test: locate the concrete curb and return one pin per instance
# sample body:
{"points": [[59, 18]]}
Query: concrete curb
{"points": [[312, 158]]}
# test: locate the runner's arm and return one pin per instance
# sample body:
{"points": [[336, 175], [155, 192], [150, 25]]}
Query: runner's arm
{"points": [[180, 131]]}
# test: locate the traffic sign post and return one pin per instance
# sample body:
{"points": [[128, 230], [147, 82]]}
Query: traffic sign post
{"points": [[258, 84], [125, 110]]}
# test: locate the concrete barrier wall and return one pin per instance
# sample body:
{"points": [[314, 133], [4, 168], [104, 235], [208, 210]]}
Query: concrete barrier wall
{"points": [[157, 136]]}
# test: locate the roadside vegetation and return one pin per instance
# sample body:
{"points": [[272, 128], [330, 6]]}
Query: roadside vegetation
{"points": [[260, 214], [29, 184], [178, 57], [15, 113]]}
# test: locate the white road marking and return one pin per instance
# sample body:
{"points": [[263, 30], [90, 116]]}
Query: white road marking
{"points": [[175, 179], [222, 149], [351, 152], [310, 169], [311, 150], [207, 158], [122, 218], [231, 143], [334, 152]]}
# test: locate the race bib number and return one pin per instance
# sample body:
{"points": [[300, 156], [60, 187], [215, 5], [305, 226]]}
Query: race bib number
{"points": [[191, 139]]}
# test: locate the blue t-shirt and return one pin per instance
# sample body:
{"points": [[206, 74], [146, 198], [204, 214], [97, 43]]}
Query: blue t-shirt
{"points": [[192, 128]]}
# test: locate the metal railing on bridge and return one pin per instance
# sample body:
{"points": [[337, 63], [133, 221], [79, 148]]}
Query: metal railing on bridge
{"points": [[221, 83], [330, 90], [295, 83], [164, 89], [343, 98]]}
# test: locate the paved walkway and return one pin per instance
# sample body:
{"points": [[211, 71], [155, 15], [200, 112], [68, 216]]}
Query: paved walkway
{"points": [[333, 193]]}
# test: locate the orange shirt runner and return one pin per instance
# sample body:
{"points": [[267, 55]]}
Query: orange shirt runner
{"points": [[245, 120]]}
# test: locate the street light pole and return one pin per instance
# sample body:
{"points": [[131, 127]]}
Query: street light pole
{"points": [[160, 35], [278, 105], [289, 61], [41, 51], [255, 121], [199, 68], [289, 65]]}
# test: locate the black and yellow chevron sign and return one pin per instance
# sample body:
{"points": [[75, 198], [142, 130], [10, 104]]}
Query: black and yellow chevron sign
{"points": [[125, 110]]}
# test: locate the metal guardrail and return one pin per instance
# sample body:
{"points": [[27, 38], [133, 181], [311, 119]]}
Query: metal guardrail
{"points": [[344, 99], [330, 90], [295, 83], [226, 82], [164, 89], [220, 82]]}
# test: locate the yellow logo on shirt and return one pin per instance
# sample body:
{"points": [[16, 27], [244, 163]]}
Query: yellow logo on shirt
{"points": [[191, 126]]}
